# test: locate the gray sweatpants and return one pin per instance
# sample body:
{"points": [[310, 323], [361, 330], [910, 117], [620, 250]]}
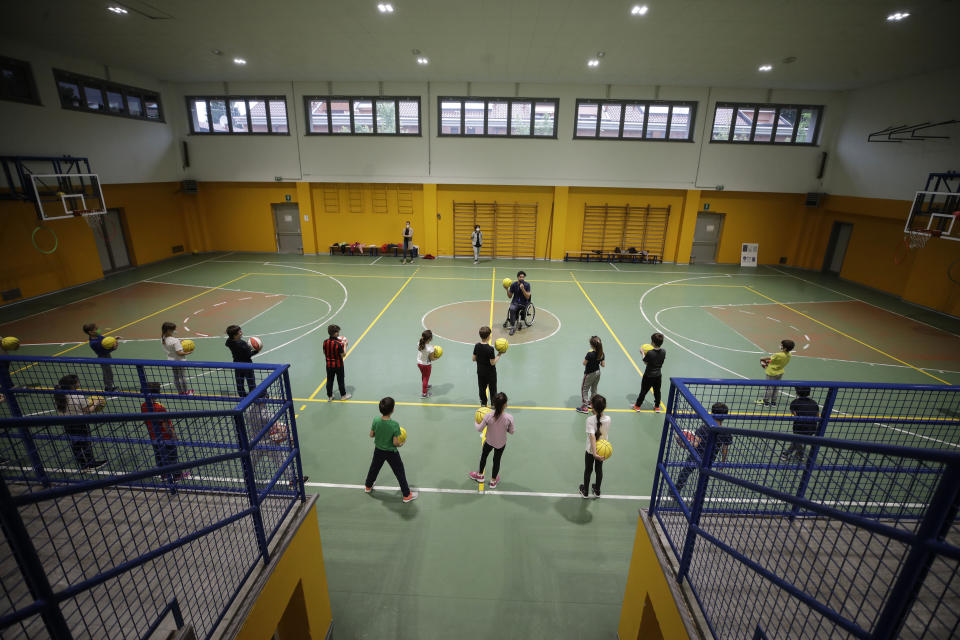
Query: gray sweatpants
{"points": [[771, 394], [589, 387]]}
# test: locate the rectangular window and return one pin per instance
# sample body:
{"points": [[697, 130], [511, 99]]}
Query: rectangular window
{"points": [[635, 120], [766, 123], [498, 117], [240, 115], [95, 95], [16, 81], [363, 116]]}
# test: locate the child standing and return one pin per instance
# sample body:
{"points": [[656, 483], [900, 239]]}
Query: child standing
{"points": [[476, 241], [486, 358], [424, 361], [171, 344], [775, 364], [407, 243], [75, 404], [386, 435], [161, 433], [333, 350], [652, 375], [591, 373], [241, 352], [724, 440], [96, 343], [498, 424], [598, 427], [807, 411]]}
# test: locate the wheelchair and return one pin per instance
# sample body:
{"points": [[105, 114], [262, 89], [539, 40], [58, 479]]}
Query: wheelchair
{"points": [[526, 317]]}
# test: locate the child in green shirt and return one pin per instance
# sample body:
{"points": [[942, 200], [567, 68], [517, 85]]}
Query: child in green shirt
{"points": [[775, 364], [386, 439]]}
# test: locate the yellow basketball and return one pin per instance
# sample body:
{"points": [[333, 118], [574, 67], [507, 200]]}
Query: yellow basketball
{"points": [[646, 347], [604, 449], [482, 411], [437, 352], [507, 282], [98, 402], [403, 436], [10, 343], [109, 343], [187, 346], [501, 345]]}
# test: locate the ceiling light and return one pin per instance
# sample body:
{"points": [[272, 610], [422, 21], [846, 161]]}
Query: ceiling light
{"points": [[765, 67], [385, 7], [422, 60], [121, 11], [639, 10], [239, 61], [216, 52], [593, 62], [898, 16]]}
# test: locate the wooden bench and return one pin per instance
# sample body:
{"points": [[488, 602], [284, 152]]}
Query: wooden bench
{"points": [[585, 256], [650, 258], [337, 250]]}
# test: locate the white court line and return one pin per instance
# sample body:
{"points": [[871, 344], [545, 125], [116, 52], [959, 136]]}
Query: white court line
{"points": [[656, 317], [614, 266], [262, 312], [423, 322], [377, 260], [491, 492]]}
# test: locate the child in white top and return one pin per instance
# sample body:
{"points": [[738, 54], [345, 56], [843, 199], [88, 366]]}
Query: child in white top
{"points": [[598, 426], [425, 360], [171, 344]]}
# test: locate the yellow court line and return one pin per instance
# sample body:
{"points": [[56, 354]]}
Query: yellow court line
{"points": [[462, 279], [824, 324], [493, 289], [366, 331], [464, 406], [662, 284], [604, 321]]}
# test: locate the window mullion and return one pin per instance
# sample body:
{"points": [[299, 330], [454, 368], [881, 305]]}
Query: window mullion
{"points": [[646, 120], [350, 107], [623, 119], [796, 125], [753, 125]]}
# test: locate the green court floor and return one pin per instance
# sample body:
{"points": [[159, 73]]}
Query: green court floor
{"points": [[528, 559]]}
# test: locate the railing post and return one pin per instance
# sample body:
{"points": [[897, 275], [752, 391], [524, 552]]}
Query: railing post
{"points": [[706, 462], [655, 492], [298, 470], [934, 526], [251, 483], [6, 387], [30, 566], [825, 415]]}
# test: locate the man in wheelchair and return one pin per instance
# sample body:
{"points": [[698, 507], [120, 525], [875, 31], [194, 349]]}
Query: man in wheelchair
{"points": [[521, 297]]}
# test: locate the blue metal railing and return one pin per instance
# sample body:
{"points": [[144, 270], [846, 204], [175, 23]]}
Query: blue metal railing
{"points": [[109, 497], [810, 522]]}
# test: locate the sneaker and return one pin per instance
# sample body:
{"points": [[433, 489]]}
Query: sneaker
{"points": [[410, 497], [346, 397], [513, 330], [657, 409], [583, 409], [425, 395], [786, 455], [189, 392], [475, 261], [367, 489], [505, 323], [429, 386], [476, 476], [596, 490], [583, 492], [96, 464], [637, 408], [329, 398], [494, 482]]}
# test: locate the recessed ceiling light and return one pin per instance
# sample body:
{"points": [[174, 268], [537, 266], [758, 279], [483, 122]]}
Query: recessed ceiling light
{"points": [[897, 16], [385, 7], [216, 52], [593, 62], [117, 10], [789, 60], [765, 67], [422, 60], [239, 61], [639, 10]]}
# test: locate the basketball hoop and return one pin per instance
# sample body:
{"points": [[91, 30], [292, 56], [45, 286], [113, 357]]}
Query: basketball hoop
{"points": [[918, 239]]}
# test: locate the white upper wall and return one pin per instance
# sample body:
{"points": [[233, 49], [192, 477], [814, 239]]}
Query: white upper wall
{"points": [[896, 170], [120, 149]]}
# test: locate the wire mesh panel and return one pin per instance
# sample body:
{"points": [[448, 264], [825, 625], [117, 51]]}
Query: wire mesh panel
{"points": [[641, 228], [128, 485], [828, 512], [509, 229]]}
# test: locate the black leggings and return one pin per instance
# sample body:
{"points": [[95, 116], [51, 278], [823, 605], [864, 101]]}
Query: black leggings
{"points": [[485, 380], [396, 464], [591, 464], [497, 454], [244, 375], [645, 385], [80, 444]]}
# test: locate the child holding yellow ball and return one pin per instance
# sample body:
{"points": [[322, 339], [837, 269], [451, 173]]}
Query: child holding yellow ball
{"points": [[174, 348], [386, 434], [425, 358]]}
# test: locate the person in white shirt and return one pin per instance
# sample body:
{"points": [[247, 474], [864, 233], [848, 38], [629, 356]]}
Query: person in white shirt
{"points": [[598, 427], [75, 404], [476, 241], [425, 360], [174, 350]]}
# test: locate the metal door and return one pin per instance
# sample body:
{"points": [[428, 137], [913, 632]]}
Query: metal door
{"points": [[837, 247], [110, 240], [286, 220], [706, 238]]}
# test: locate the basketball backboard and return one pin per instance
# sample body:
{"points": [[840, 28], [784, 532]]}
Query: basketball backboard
{"points": [[65, 195], [935, 213]]}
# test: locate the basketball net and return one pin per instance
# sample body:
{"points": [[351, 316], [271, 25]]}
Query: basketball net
{"points": [[918, 239]]}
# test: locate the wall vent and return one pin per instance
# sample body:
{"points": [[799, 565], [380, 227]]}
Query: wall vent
{"points": [[814, 199], [11, 294], [177, 249], [189, 186]]}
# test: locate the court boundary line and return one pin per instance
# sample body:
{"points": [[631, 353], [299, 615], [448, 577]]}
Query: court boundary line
{"points": [[450, 304], [672, 332], [607, 325], [493, 290], [472, 406]]}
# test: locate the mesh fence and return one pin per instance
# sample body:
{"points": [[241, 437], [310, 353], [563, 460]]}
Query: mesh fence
{"points": [[133, 486], [814, 509]]}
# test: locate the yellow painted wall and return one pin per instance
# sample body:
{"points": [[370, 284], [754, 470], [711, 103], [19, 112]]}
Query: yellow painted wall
{"points": [[774, 220], [348, 213], [448, 194], [154, 218], [238, 216]]}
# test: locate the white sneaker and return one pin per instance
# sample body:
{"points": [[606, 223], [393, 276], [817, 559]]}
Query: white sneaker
{"points": [[346, 397]]}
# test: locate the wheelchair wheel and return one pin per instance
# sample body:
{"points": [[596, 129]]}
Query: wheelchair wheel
{"points": [[530, 315]]}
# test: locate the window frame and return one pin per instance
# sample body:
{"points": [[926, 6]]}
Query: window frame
{"points": [[227, 99], [83, 82], [486, 100], [646, 119], [778, 108], [397, 133], [24, 67]]}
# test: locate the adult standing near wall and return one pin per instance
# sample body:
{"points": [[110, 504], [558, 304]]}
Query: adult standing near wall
{"points": [[476, 241], [407, 243]]}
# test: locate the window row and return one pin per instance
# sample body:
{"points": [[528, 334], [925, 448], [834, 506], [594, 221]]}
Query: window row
{"points": [[16, 81], [379, 116], [766, 123], [635, 120], [85, 93], [498, 117], [238, 114]]}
